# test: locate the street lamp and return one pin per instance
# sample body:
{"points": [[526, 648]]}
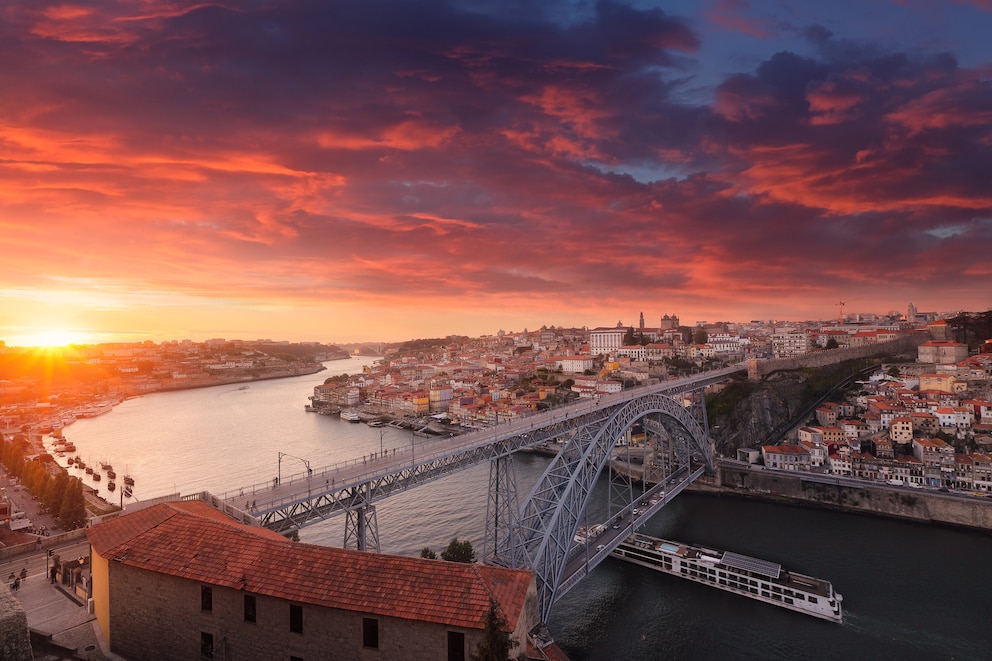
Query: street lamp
{"points": [[305, 463]]}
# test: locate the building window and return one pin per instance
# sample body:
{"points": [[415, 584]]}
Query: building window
{"points": [[296, 618], [206, 598], [370, 632], [456, 646], [206, 645], [249, 608]]}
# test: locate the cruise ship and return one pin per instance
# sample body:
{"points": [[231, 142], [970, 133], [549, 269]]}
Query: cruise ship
{"points": [[749, 577]]}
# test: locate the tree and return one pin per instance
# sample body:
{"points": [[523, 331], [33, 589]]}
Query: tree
{"points": [[426, 552], [629, 338], [496, 643], [700, 336], [458, 551], [73, 512], [831, 344]]}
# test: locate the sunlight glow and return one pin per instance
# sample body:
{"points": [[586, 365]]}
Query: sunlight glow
{"points": [[49, 338]]}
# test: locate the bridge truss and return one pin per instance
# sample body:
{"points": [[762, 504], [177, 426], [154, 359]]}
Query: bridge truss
{"points": [[541, 534]]}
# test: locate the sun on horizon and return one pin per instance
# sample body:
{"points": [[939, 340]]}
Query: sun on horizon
{"points": [[49, 338]]}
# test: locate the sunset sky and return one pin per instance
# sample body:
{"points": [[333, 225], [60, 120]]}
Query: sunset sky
{"points": [[383, 170]]}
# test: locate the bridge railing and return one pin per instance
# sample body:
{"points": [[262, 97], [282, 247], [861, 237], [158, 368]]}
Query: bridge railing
{"points": [[469, 440]]}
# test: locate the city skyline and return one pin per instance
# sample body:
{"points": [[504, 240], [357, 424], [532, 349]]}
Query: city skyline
{"points": [[398, 170]]}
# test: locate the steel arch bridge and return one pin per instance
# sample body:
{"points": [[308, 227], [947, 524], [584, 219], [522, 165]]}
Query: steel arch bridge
{"points": [[540, 534]]}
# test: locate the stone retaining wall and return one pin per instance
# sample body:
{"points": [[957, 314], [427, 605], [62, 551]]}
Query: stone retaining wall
{"points": [[878, 499], [42, 543], [758, 368]]}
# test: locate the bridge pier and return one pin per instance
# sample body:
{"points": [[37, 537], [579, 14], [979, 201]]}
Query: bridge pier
{"points": [[361, 525], [501, 508]]}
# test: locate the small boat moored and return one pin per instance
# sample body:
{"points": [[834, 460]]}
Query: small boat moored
{"points": [[350, 416]]}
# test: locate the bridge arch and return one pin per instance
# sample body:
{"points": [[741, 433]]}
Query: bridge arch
{"points": [[541, 536]]}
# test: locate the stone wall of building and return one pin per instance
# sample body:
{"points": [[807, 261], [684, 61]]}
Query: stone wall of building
{"points": [[758, 368], [159, 616], [15, 640]]}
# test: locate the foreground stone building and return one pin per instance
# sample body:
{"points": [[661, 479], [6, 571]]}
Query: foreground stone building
{"points": [[182, 581], [15, 641]]}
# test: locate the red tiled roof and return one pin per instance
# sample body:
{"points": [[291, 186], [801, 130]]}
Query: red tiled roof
{"points": [[185, 540]]}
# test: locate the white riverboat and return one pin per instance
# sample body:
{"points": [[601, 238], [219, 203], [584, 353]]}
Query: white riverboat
{"points": [[749, 577], [350, 416]]}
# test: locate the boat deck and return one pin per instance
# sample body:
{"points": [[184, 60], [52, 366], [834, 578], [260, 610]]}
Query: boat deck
{"points": [[734, 572], [754, 567]]}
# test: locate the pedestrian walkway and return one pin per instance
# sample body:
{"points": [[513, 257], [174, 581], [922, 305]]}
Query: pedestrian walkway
{"points": [[55, 615]]}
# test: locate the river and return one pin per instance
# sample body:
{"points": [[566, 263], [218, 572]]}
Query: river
{"points": [[910, 591]]}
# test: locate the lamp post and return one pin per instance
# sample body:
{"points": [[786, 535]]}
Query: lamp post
{"points": [[305, 463]]}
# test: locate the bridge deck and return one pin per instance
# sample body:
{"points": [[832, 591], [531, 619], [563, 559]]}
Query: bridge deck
{"points": [[623, 524], [332, 489]]}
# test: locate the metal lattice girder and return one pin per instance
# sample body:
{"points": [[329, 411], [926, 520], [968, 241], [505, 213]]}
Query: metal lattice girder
{"points": [[361, 529], [501, 508], [281, 511], [550, 516]]}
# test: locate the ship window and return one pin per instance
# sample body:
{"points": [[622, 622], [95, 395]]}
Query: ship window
{"points": [[788, 601], [812, 600], [723, 575], [723, 582], [777, 597], [776, 588], [764, 594], [800, 597]]}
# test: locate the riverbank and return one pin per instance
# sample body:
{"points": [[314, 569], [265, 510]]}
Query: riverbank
{"points": [[953, 509]]}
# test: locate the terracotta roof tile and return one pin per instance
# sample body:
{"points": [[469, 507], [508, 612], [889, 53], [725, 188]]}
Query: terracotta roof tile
{"points": [[187, 541]]}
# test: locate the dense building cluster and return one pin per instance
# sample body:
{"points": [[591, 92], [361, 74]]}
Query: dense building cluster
{"points": [[927, 424]]}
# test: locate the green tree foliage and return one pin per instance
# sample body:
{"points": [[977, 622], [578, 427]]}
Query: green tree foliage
{"points": [[700, 336], [52, 498], [831, 344], [629, 339], [496, 644], [458, 551], [427, 553], [73, 512]]}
